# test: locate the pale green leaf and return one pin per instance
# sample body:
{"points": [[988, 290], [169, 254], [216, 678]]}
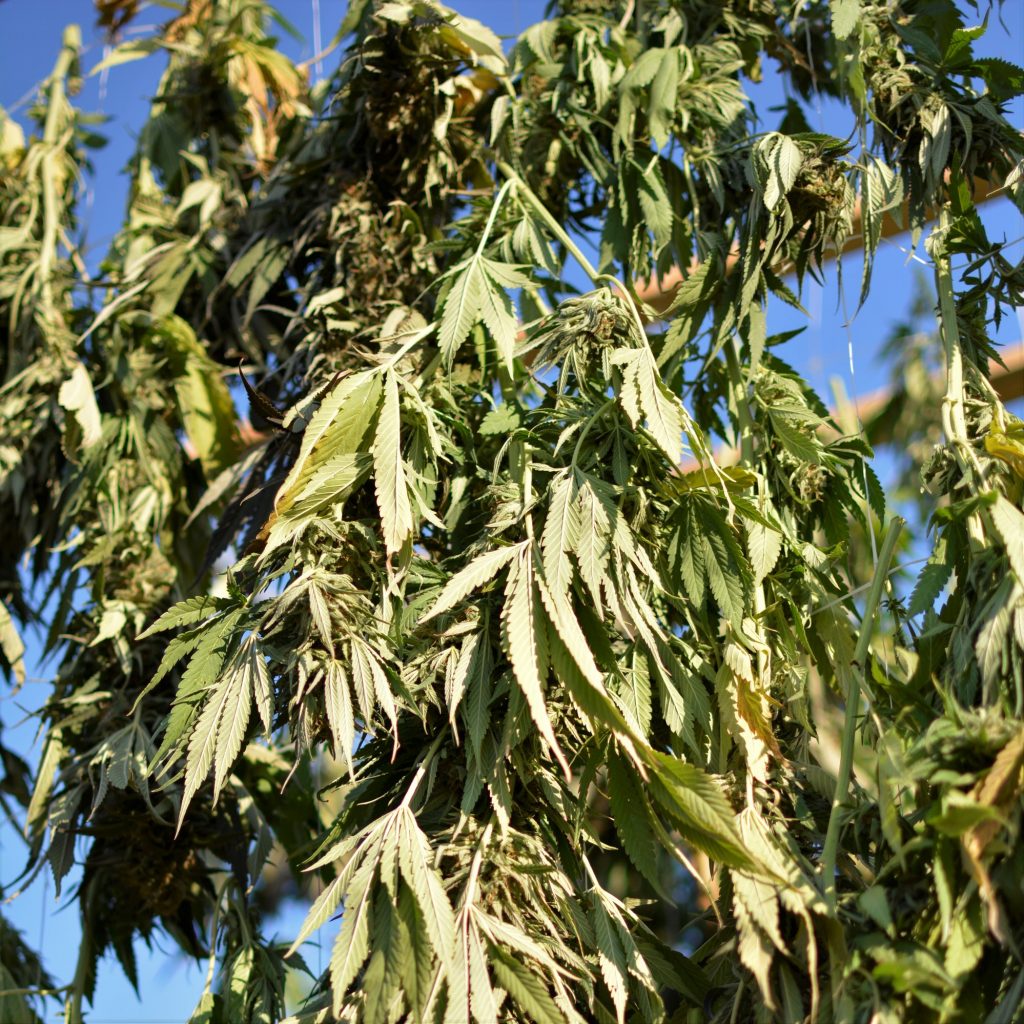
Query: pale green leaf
{"points": [[787, 159], [235, 717], [593, 545], [698, 805], [462, 306], [338, 427], [525, 987], [352, 946], [1009, 521], [521, 629], [471, 577], [184, 613], [663, 410], [76, 395], [11, 645], [764, 546], [846, 15], [561, 532], [389, 470], [338, 705], [415, 856]]}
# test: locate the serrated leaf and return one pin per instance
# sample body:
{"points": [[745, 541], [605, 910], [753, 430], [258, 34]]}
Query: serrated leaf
{"points": [[933, 579], [593, 545], [761, 903], [655, 203], [755, 951], [523, 985], [611, 957], [338, 427], [764, 546], [184, 613], [481, 570], [698, 805], [329, 484], [499, 315], [235, 717], [455, 686], [802, 444], [415, 856], [845, 16], [352, 946], [502, 419], [630, 813], [203, 742], [662, 409], [483, 1001], [522, 635], [462, 306], [1009, 521], [561, 532], [389, 470], [338, 705], [787, 159], [723, 576]]}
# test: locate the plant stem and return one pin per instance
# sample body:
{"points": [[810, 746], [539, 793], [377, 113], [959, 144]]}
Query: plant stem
{"points": [[746, 431], [860, 657], [55, 131], [474, 870], [73, 1003], [424, 764], [495, 206], [556, 229], [954, 421]]}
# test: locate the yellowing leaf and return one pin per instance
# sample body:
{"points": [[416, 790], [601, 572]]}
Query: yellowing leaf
{"points": [[204, 402], [77, 396]]}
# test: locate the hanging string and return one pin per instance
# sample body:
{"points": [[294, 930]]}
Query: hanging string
{"points": [[317, 45]]}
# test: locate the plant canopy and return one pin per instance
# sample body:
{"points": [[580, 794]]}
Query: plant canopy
{"points": [[392, 550]]}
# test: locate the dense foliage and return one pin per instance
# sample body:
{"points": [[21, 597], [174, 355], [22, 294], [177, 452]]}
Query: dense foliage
{"points": [[471, 630]]}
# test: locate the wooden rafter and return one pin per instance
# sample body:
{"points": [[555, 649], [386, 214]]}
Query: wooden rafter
{"points": [[659, 294]]}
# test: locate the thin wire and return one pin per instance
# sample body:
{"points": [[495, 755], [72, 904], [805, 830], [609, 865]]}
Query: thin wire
{"points": [[860, 426], [42, 926], [90, 194], [317, 47]]}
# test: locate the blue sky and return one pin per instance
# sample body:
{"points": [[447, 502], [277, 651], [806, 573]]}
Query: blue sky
{"points": [[30, 33]]}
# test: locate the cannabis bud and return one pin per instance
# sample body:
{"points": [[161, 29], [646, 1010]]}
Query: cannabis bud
{"points": [[583, 329]]}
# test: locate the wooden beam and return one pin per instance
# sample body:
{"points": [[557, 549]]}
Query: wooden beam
{"points": [[1008, 381], [659, 294]]}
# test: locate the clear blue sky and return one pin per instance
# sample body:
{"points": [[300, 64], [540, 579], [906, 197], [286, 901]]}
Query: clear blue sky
{"points": [[30, 37]]}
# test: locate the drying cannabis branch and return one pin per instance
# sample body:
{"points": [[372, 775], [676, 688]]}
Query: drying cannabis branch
{"points": [[458, 638]]}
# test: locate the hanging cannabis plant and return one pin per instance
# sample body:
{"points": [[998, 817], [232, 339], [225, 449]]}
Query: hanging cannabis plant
{"points": [[570, 720]]}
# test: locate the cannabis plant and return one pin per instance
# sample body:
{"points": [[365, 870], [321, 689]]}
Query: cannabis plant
{"points": [[373, 497]]}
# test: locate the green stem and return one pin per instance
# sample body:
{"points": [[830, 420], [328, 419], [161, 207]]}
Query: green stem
{"points": [[586, 429], [954, 420], [73, 1003], [423, 766], [53, 137], [746, 431], [495, 206], [556, 229], [860, 656], [469, 895]]}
